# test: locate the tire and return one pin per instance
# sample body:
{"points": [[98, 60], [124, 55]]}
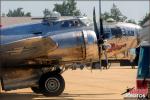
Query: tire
{"points": [[81, 67], [51, 84], [96, 65], [0, 87], [36, 90]]}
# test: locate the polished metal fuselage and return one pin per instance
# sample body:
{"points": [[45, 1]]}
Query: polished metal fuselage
{"points": [[65, 47]]}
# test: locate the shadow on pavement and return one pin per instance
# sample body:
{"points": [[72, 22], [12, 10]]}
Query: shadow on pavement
{"points": [[32, 96]]}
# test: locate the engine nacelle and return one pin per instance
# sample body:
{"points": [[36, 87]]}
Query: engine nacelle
{"points": [[75, 46]]}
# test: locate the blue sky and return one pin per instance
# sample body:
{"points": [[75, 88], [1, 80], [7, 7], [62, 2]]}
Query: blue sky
{"points": [[132, 9]]}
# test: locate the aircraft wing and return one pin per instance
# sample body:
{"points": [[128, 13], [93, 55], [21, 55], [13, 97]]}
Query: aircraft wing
{"points": [[28, 48]]}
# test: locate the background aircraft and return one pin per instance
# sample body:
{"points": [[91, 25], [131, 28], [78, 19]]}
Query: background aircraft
{"points": [[121, 39]]}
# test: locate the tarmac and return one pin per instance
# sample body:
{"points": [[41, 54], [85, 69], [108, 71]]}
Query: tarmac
{"points": [[85, 85]]}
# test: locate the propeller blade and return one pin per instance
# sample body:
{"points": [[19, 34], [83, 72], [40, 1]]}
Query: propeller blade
{"points": [[99, 33], [101, 28], [95, 24], [98, 36], [101, 38]]}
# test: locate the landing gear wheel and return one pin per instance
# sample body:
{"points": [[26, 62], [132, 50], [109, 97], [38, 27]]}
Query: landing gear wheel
{"points": [[106, 63], [51, 84], [36, 90], [96, 65], [0, 87]]}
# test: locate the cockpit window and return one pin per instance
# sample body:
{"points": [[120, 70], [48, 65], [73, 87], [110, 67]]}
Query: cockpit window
{"points": [[116, 31], [107, 32], [77, 23], [72, 23], [86, 21], [130, 31], [65, 24]]}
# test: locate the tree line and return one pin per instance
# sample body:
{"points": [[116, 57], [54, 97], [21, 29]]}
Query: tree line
{"points": [[17, 13], [69, 8]]}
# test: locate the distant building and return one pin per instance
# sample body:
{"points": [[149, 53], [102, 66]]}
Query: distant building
{"points": [[7, 21]]}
